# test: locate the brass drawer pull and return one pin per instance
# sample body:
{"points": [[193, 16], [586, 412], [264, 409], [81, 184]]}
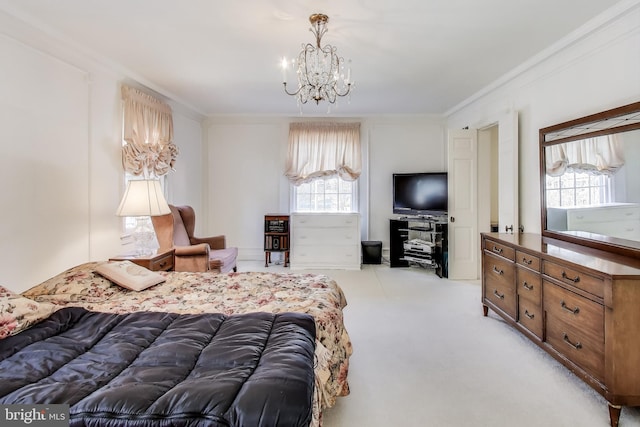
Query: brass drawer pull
{"points": [[526, 261], [565, 308], [497, 250], [566, 339], [574, 280], [527, 286], [496, 293], [495, 270], [529, 316]]}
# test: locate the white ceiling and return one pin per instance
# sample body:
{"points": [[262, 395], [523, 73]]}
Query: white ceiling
{"points": [[222, 57]]}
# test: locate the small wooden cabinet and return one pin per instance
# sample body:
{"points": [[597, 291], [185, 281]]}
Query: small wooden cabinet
{"points": [[580, 305], [276, 237], [163, 261]]}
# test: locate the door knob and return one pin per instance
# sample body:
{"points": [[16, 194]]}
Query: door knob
{"points": [[452, 219]]}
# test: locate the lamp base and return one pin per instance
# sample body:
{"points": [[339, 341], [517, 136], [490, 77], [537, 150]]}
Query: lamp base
{"points": [[143, 235]]}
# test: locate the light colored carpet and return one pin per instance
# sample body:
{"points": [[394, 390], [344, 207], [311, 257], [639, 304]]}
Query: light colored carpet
{"points": [[424, 355]]}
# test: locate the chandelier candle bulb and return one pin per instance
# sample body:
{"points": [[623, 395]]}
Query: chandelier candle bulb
{"points": [[284, 69]]}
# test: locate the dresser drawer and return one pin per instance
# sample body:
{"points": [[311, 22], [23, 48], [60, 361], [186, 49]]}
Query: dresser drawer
{"points": [[621, 229], [336, 236], [325, 220], [587, 283], [326, 255], [499, 249], [575, 217], [162, 263], [530, 316], [575, 328], [529, 285], [158, 262], [527, 260], [499, 276]]}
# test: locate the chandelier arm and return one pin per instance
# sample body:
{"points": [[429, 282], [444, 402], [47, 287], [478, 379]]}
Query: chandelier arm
{"points": [[346, 92], [291, 93]]}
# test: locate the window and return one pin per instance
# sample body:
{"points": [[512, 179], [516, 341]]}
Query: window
{"points": [[148, 150], [325, 195], [324, 162], [578, 189]]}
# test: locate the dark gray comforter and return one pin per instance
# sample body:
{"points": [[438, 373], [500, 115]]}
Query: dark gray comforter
{"points": [[159, 369]]}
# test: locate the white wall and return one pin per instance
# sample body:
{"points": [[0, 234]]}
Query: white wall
{"points": [[186, 185], [60, 164], [399, 145], [627, 179], [245, 169], [245, 164], [596, 72]]}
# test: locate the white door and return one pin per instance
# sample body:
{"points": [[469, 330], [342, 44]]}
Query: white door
{"points": [[508, 215], [463, 202]]}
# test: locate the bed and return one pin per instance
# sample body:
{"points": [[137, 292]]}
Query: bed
{"points": [[164, 369], [227, 293]]}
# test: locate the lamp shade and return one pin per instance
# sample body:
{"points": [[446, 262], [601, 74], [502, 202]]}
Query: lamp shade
{"points": [[143, 198]]}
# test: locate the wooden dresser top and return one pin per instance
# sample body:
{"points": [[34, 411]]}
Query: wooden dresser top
{"points": [[608, 263]]}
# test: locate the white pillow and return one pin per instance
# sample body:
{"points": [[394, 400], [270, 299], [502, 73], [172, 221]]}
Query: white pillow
{"points": [[129, 275]]}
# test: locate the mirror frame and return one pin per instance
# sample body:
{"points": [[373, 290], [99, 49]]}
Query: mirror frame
{"points": [[598, 124]]}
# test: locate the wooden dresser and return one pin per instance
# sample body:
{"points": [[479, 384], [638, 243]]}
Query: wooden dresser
{"points": [[580, 305]]}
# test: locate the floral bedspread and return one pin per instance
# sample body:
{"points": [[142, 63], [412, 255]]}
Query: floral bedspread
{"points": [[228, 293]]}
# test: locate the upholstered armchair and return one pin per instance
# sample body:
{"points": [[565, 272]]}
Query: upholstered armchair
{"points": [[175, 231]]}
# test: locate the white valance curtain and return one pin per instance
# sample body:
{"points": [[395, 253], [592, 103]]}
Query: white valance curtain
{"points": [[148, 133], [600, 155], [322, 150]]}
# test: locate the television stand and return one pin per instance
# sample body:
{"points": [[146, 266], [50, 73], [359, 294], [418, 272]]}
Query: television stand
{"points": [[421, 241]]}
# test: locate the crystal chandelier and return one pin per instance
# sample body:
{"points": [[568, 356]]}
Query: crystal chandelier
{"points": [[320, 71]]}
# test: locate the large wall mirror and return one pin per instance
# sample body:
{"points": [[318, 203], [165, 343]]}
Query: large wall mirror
{"points": [[590, 180]]}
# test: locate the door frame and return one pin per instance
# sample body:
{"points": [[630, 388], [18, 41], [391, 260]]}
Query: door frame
{"points": [[506, 123]]}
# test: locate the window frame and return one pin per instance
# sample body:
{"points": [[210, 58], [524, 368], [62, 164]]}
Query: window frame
{"points": [[354, 194], [605, 189]]}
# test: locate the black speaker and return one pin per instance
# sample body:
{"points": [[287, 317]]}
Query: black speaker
{"points": [[372, 252]]}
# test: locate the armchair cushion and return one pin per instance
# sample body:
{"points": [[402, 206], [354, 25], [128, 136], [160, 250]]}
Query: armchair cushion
{"points": [[224, 260], [180, 235]]}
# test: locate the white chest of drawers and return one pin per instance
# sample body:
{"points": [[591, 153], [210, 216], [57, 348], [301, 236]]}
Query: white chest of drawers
{"points": [[620, 220], [325, 240]]}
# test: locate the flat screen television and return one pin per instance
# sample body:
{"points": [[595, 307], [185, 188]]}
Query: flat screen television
{"points": [[422, 194]]}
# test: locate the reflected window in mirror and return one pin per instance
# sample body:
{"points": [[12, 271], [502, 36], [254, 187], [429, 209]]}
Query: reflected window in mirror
{"points": [[590, 177], [578, 189], [583, 172]]}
